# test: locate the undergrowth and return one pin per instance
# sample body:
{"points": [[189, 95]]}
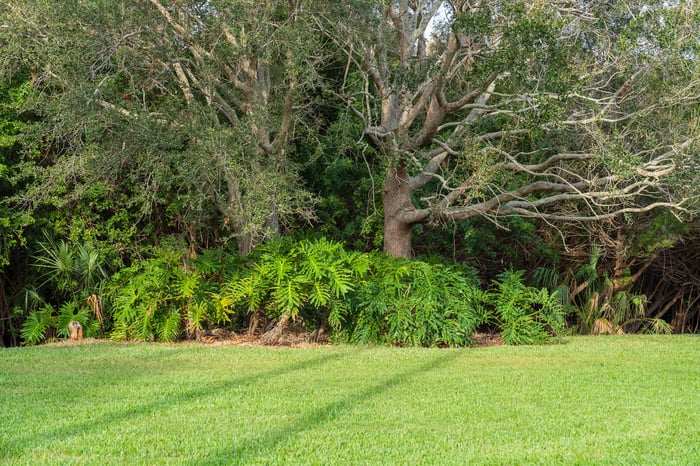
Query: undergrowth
{"points": [[354, 297]]}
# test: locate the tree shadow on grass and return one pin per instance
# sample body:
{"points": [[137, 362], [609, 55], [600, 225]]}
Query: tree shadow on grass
{"points": [[16, 446], [254, 449]]}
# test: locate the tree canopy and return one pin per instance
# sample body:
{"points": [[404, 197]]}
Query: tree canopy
{"points": [[551, 110]]}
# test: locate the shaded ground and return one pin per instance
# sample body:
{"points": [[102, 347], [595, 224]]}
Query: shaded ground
{"points": [[296, 337]]}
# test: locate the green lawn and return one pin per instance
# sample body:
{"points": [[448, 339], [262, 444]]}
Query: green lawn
{"points": [[592, 400]]}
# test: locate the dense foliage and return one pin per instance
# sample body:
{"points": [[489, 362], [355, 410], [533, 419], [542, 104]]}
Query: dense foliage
{"points": [[534, 164]]}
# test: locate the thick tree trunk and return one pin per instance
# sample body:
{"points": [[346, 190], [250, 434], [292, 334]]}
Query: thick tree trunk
{"points": [[397, 201]]}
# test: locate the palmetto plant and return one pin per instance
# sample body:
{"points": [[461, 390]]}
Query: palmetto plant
{"points": [[70, 268], [591, 296], [72, 276]]}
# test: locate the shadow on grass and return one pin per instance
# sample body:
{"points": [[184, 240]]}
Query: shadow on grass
{"points": [[254, 449], [16, 446]]}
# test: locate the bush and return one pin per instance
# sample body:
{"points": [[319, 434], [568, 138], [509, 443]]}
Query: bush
{"points": [[525, 315], [413, 303], [362, 298], [162, 297], [73, 277], [287, 277]]}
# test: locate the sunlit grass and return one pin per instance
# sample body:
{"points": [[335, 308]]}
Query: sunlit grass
{"points": [[593, 400]]}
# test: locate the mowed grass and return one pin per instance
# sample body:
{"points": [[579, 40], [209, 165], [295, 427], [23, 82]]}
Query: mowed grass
{"points": [[592, 400]]}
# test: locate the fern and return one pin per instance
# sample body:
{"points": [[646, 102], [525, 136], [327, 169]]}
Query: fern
{"points": [[313, 275], [339, 311], [169, 328], [417, 304], [40, 322], [152, 298], [319, 295], [213, 264], [287, 296], [197, 313]]}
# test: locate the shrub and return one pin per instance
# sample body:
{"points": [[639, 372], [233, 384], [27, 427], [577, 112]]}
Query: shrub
{"points": [[413, 303], [162, 297], [287, 277], [525, 315], [72, 275]]}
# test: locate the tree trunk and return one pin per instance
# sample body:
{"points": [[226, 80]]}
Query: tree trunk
{"points": [[254, 323], [4, 312], [245, 243], [397, 201], [273, 336]]}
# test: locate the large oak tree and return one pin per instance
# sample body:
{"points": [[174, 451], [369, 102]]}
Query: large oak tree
{"points": [[564, 111]]}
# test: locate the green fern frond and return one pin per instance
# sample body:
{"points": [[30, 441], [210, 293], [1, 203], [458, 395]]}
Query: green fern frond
{"points": [[319, 295], [121, 331], [339, 311], [341, 281], [143, 326], [185, 285], [248, 290], [197, 313], [359, 263], [288, 297]]}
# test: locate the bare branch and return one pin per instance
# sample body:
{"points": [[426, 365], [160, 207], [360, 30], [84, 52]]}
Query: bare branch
{"points": [[184, 83], [536, 169], [429, 171]]}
